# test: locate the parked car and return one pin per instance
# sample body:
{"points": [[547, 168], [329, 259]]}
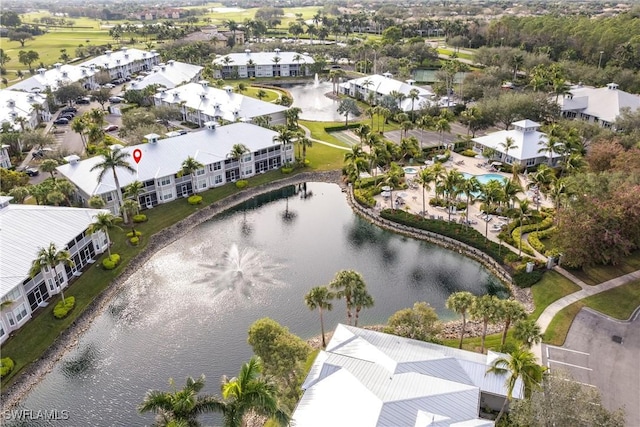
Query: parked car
{"points": [[30, 171], [84, 100], [183, 132], [67, 115], [62, 121], [69, 110], [109, 85], [115, 100], [110, 128]]}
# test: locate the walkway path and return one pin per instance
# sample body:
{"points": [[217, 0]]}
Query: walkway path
{"points": [[328, 144], [554, 308]]}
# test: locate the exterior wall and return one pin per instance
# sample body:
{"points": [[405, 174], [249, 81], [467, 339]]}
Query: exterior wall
{"points": [[29, 295], [5, 160], [262, 70]]}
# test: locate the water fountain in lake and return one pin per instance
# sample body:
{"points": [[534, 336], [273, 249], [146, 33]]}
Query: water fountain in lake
{"points": [[312, 100], [316, 81]]}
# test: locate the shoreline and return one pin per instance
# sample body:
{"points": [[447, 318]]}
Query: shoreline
{"points": [[68, 339]]}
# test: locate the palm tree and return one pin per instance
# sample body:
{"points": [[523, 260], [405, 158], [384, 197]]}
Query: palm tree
{"points": [[361, 299], [346, 282], [320, 297], [512, 311], [485, 308], [189, 167], [104, 221], [528, 332], [180, 406], [507, 145], [111, 160], [453, 182], [425, 178], [79, 126], [250, 392], [48, 259], [49, 166], [441, 126], [237, 151], [356, 162], [285, 136], [461, 303], [522, 213], [134, 190], [305, 143], [520, 364]]}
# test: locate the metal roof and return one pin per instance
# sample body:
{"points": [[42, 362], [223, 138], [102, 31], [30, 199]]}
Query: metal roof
{"points": [[215, 102], [169, 75], [402, 381], [24, 229], [385, 85], [165, 157], [124, 56], [264, 58], [604, 103], [59, 75], [22, 106]]}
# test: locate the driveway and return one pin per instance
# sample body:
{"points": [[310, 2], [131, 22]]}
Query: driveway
{"points": [[592, 356]]}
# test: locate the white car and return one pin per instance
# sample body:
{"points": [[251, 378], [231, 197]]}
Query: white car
{"points": [[109, 85]]}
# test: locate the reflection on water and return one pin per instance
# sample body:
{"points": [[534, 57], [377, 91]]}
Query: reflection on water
{"points": [[313, 102], [187, 310]]}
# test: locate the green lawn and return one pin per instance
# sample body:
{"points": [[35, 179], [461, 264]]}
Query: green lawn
{"points": [[601, 273], [272, 94], [450, 52], [318, 132], [552, 287]]}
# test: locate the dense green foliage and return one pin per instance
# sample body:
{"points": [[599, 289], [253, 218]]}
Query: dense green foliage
{"points": [[6, 366], [418, 323], [194, 200], [62, 308], [139, 218], [111, 262]]}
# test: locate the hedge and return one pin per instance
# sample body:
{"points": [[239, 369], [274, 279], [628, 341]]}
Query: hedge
{"points": [[286, 170], [195, 199], [109, 263], [525, 280], [469, 153], [140, 218], [63, 308], [134, 241], [131, 234], [535, 236], [242, 184], [459, 232], [364, 198], [341, 127], [6, 366]]}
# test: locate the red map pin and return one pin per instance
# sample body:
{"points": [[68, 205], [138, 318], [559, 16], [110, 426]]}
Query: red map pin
{"points": [[137, 155]]}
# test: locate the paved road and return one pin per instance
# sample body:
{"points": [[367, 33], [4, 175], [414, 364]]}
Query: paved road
{"points": [[592, 357]]}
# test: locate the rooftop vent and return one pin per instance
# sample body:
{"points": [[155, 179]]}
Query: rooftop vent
{"points": [[247, 51], [72, 159], [108, 52], [57, 65], [41, 71], [228, 89], [171, 62], [152, 138], [277, 51], [211, 125], [612, 86], [204, 83]]}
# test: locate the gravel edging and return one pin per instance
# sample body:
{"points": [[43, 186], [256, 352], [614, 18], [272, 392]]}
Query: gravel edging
{"points": [[68, 339]]}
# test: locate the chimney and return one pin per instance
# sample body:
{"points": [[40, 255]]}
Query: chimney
{"points": [[57, 65], [203, 96], [108, 53], [410, 82], [144, 54], [228, 89], [176, 95], [211, 125], [117, 61], [72, 159], [84, 71], [163, 67], [247, 51], [92, 67], [204, 83], [126, 56]]}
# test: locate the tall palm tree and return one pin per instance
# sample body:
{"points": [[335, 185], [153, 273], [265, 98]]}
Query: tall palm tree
{"points": [[356, 162], [346, 282], [112, 160], [320, 297], [104, 221], [251, 392], [512, 311], [528, 332], [507, 145], [424, 123], [453, 182], [133, 191], [189, 167], [522, 213], [442, 125], [237, 151], [49, 259], [79, 126], [413, 95], [461, 303], [49, 166], [361, 299], [305, 143], [180, 406], [425, 178], [520, 364], [485, 308], [285, 136]]}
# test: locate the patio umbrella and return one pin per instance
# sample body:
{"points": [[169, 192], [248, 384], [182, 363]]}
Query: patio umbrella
{"points": [[385, 194], [386, 188], [496, 164], [403, 195]]}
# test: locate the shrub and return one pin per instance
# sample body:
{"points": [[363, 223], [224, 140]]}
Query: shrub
{"points": [[139, 218], [329, 129], [242, 184], [62, 308], [364, 198], [469, 153], [511, 257], [134, 241], [195, 199], [525, 280], [286, 170], [131, 234], [111, 262], [109, 140], [6, 366], [127, 108], [92, 149]]}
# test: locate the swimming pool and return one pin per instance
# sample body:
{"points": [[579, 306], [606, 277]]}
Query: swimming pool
{"points": [[410, 170], [483, 179]]}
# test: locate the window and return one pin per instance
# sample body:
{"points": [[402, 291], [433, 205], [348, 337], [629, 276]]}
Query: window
{"points": [[167, 196], [203, 184], [200, 172], [20, 312], [247, 158], [531, 162], [2, 332], [13, 295], [52, 286], [109, 197], [12, 321], [218, 179], [165, 181], [248, 172]]}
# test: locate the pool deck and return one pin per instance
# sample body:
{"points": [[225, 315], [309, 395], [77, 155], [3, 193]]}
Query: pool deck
{"points": [[413, 201]]}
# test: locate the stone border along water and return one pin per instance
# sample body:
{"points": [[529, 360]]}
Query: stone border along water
{"points": [[69, 337]]}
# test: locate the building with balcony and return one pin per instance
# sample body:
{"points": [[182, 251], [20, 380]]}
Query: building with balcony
{"points": [[59, 75], [27, 228], [377, 86], [169, 75], [23, 109], [263, 64], [202, 103], [161, 164], [124, 62]]}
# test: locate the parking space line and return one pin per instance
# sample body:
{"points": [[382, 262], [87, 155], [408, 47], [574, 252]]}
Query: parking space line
{"points": [[569, 364], [567, 349]]}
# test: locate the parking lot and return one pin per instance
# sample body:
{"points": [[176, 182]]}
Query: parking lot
{"points": [[604, 353]]}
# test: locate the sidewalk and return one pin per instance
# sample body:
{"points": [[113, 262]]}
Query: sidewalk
{"points": [[549, 313]]}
